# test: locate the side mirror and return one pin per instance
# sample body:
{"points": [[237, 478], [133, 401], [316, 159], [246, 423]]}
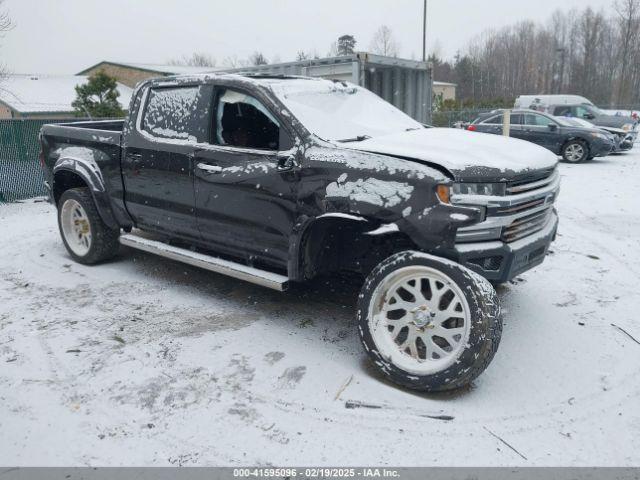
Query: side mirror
{"points": [[589, 116], [553, 127]]}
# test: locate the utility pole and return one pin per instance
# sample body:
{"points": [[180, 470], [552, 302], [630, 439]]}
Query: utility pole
{"points": [[424, 32]]}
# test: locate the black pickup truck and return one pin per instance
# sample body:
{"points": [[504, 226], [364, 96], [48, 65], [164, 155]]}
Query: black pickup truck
{"points": [[279, 179]]}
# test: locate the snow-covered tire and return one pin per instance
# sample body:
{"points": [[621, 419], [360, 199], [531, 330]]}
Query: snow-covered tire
{"points": [[438, 297], [575, 151], [87, 238]]}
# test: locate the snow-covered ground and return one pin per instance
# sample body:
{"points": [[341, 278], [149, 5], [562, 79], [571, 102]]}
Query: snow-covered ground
{"points": [[145, 361]]}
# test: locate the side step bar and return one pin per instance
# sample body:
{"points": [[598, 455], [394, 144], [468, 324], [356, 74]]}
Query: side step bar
{"points": [[214, 264]]}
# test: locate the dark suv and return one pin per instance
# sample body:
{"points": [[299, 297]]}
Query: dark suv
{"points": [[574, 143]]}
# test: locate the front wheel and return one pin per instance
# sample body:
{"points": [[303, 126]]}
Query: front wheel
{"points": [[575, 151], [87, 238], [427, 323]]}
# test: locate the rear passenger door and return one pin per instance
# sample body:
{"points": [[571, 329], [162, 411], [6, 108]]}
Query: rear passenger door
{"points": [[158, 165], [491, 125], [515, 130]]}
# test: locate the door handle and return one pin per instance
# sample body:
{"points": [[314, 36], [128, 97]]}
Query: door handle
{"points": [[135, 157], [209, 168]]}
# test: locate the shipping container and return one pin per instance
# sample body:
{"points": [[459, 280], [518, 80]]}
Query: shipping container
{"points": [[407, 84]]}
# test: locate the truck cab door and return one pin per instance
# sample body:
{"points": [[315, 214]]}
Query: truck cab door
{"points": [[157, 161], [246, 181]]}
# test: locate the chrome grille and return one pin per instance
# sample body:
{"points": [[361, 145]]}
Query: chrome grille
{"points": [[526, 225], [532, 183], [526, 208]]}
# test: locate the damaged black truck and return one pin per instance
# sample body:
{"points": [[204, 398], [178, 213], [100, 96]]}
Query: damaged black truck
{"points": [[276, 180]]}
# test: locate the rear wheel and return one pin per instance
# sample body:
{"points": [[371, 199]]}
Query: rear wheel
{"points": [[575, 151], [87, 238], [428, 323]]}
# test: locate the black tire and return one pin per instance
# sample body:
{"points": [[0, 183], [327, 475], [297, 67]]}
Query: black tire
{"points": [[572, 145], [104, 242], [485, 324]]}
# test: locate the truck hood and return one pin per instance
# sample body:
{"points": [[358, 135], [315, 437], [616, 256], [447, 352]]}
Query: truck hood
{"points": [[468, 156]]}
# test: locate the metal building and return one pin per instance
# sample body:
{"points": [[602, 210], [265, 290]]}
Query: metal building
{"points": [[407, 84]]}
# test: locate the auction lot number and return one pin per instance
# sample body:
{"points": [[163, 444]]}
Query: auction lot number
{"points": [[315, 473]]}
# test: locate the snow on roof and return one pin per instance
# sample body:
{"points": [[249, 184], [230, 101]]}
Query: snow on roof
{"points": [[158, 68], [170, 69], [444, 84], [31, 93]]}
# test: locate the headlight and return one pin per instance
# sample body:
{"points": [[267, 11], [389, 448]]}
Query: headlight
{"points": [[602, 136], [493, 189], [627, 127]]}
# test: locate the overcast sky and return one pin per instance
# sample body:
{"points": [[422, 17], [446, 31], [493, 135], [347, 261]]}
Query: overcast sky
{"points": [[66, 36]]}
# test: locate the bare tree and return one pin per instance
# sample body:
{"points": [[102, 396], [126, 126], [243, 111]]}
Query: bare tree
{"points": [[628, 12], [196, 59], [233, 61], [257, 58], [383, 42], [582, 51], [5, 25], [333, 50]]}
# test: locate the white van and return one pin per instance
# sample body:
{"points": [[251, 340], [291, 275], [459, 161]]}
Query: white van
{"points": [[542, 102]]}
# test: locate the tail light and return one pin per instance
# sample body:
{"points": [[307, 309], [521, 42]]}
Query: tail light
{"points": [[41, 158], [472, 128]]}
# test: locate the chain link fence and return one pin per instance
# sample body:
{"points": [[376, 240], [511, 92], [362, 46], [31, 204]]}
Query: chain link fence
{"points": [[20, 171]]}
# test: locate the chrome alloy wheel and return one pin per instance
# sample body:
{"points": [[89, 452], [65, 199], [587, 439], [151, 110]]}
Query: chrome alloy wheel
{"points": [[420, 320], [76, 227], [574, 152]]}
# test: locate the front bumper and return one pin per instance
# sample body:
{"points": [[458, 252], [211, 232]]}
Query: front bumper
{"points": [[602, 148], [628, 141], [500, 262]]}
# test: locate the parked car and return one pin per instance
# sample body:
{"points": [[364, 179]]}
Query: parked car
{"points": [[575, 144], [276, 180], [578, 107], [596, 116], [624, 140]]}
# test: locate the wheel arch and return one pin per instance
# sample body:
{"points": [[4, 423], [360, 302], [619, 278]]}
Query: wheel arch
{"points": [[574, 138], [69, 172], [334, 242]]}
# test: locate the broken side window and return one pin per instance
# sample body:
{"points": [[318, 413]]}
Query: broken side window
{"points": [[242, 121]]}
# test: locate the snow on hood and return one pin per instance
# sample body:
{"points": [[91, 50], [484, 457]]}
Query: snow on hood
{"points": [[467, 155]]}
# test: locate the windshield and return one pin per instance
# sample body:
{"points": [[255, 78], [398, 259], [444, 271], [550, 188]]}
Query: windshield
{"points": [[341, 111], [593, 109]]}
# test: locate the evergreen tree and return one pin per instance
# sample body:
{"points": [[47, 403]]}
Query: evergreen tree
{"points": [[98, 98], [346, 45]]}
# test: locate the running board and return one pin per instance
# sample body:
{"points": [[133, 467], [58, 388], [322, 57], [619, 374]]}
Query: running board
{"points": [[214, 264]]}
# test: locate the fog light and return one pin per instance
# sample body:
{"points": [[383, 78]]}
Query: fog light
{"points": [[491, 264]]}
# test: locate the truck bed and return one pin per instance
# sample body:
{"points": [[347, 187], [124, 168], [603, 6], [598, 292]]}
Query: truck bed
{"points": [[104, 132]]}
